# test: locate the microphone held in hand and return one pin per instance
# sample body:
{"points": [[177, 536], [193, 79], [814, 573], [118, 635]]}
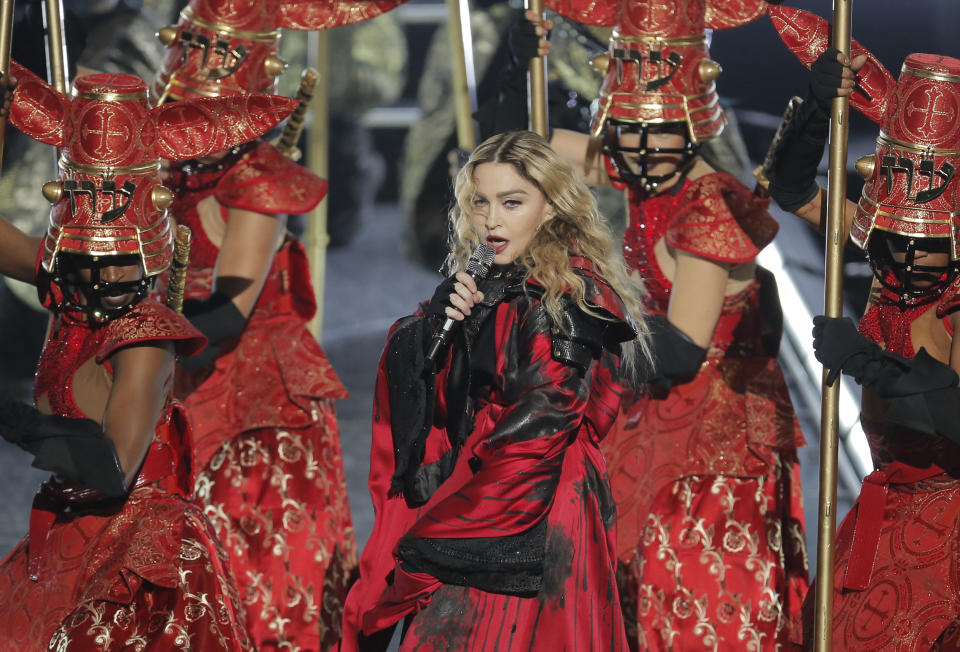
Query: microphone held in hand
{"points": [[477, 267]]}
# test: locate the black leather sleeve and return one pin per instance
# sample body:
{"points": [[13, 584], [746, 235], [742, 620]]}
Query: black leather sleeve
{"points": [[578, 339]]}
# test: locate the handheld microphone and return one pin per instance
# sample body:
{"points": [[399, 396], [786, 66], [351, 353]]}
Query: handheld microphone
{"points": [[477, 267]]}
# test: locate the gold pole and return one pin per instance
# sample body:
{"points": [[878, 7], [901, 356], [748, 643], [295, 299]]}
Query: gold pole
{"points": [[466, 140], [318, 154], [537, 87], [833, 307], [6, 38], [56, 44]]}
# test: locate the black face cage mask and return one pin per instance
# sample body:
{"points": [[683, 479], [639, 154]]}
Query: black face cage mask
{"points": [[618, 154], [66, 275], [902, 278]]}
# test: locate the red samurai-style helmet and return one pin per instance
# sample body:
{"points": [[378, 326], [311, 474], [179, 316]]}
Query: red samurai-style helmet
{"points": [[659, 68], [224, 47], [659, 76], [108, 200], [911, 186]]}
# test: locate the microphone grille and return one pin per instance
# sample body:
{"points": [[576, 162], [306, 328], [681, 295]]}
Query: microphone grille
{"points": [[480, 260]]}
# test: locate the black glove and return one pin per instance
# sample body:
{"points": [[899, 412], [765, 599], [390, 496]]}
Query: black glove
{"points": [[436, 309], [523, 41], [826, 76], [676, 357], [76, 449], [840, 347], [793, 175], [507, 111], [921, 392], [219, 319]]}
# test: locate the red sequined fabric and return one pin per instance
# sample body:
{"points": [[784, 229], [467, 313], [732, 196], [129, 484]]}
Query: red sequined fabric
{"points": [[146, 573], [709, 509], [267, 449], [897, 559]]}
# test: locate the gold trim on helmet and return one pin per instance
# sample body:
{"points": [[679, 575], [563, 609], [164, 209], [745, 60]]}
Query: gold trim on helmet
{"points": [[268, 36], [695, 39], [896, 143], [903, 218], [110, 97], [83, 168], [929, 74], [913, 234]]}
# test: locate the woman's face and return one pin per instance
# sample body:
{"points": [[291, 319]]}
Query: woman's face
{"points": [[658, 164], [113, 274], [506, 210], [938, 259]]}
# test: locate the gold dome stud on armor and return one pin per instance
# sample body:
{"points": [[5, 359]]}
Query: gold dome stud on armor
{"points": [[274, 65], [52, 191], [167, 35], [600, 63], [161, 196], [865, 166], [710, 70]]}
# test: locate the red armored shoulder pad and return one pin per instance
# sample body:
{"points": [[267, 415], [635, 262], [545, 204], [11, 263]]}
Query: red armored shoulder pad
{"points": [[266, 181], [200, 127], [724, 14], [808, 36], [38, 109], [587, 12], [718, 219], [308, 15], [151, 321]]}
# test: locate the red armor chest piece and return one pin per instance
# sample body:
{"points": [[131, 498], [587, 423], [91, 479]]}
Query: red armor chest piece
{"points": [[649, 220], [70, 345]]}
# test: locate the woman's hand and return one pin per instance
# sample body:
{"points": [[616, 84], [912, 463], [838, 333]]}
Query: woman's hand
{"points": [[8, 83], [834, 75], [464, 297], [525, 43], [455, 297]]}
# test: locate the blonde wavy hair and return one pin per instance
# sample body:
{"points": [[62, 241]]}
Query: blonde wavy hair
{"points": [[576, 223]]}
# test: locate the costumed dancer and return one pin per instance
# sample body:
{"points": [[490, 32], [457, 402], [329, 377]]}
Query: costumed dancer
{"points": [[703, 458], [896, 583], [494, 523], [116, 557], [260, 396]]}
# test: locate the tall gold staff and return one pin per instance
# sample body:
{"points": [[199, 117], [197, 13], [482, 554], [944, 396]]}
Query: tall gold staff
{"points": [[537, 88], [56, 44], [318, 160], [464, 76], [6, 38], [833, 307]]}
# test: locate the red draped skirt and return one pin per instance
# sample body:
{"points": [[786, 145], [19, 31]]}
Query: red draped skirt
{"points": [[277, 498], [149, 576], [720, 565]]}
